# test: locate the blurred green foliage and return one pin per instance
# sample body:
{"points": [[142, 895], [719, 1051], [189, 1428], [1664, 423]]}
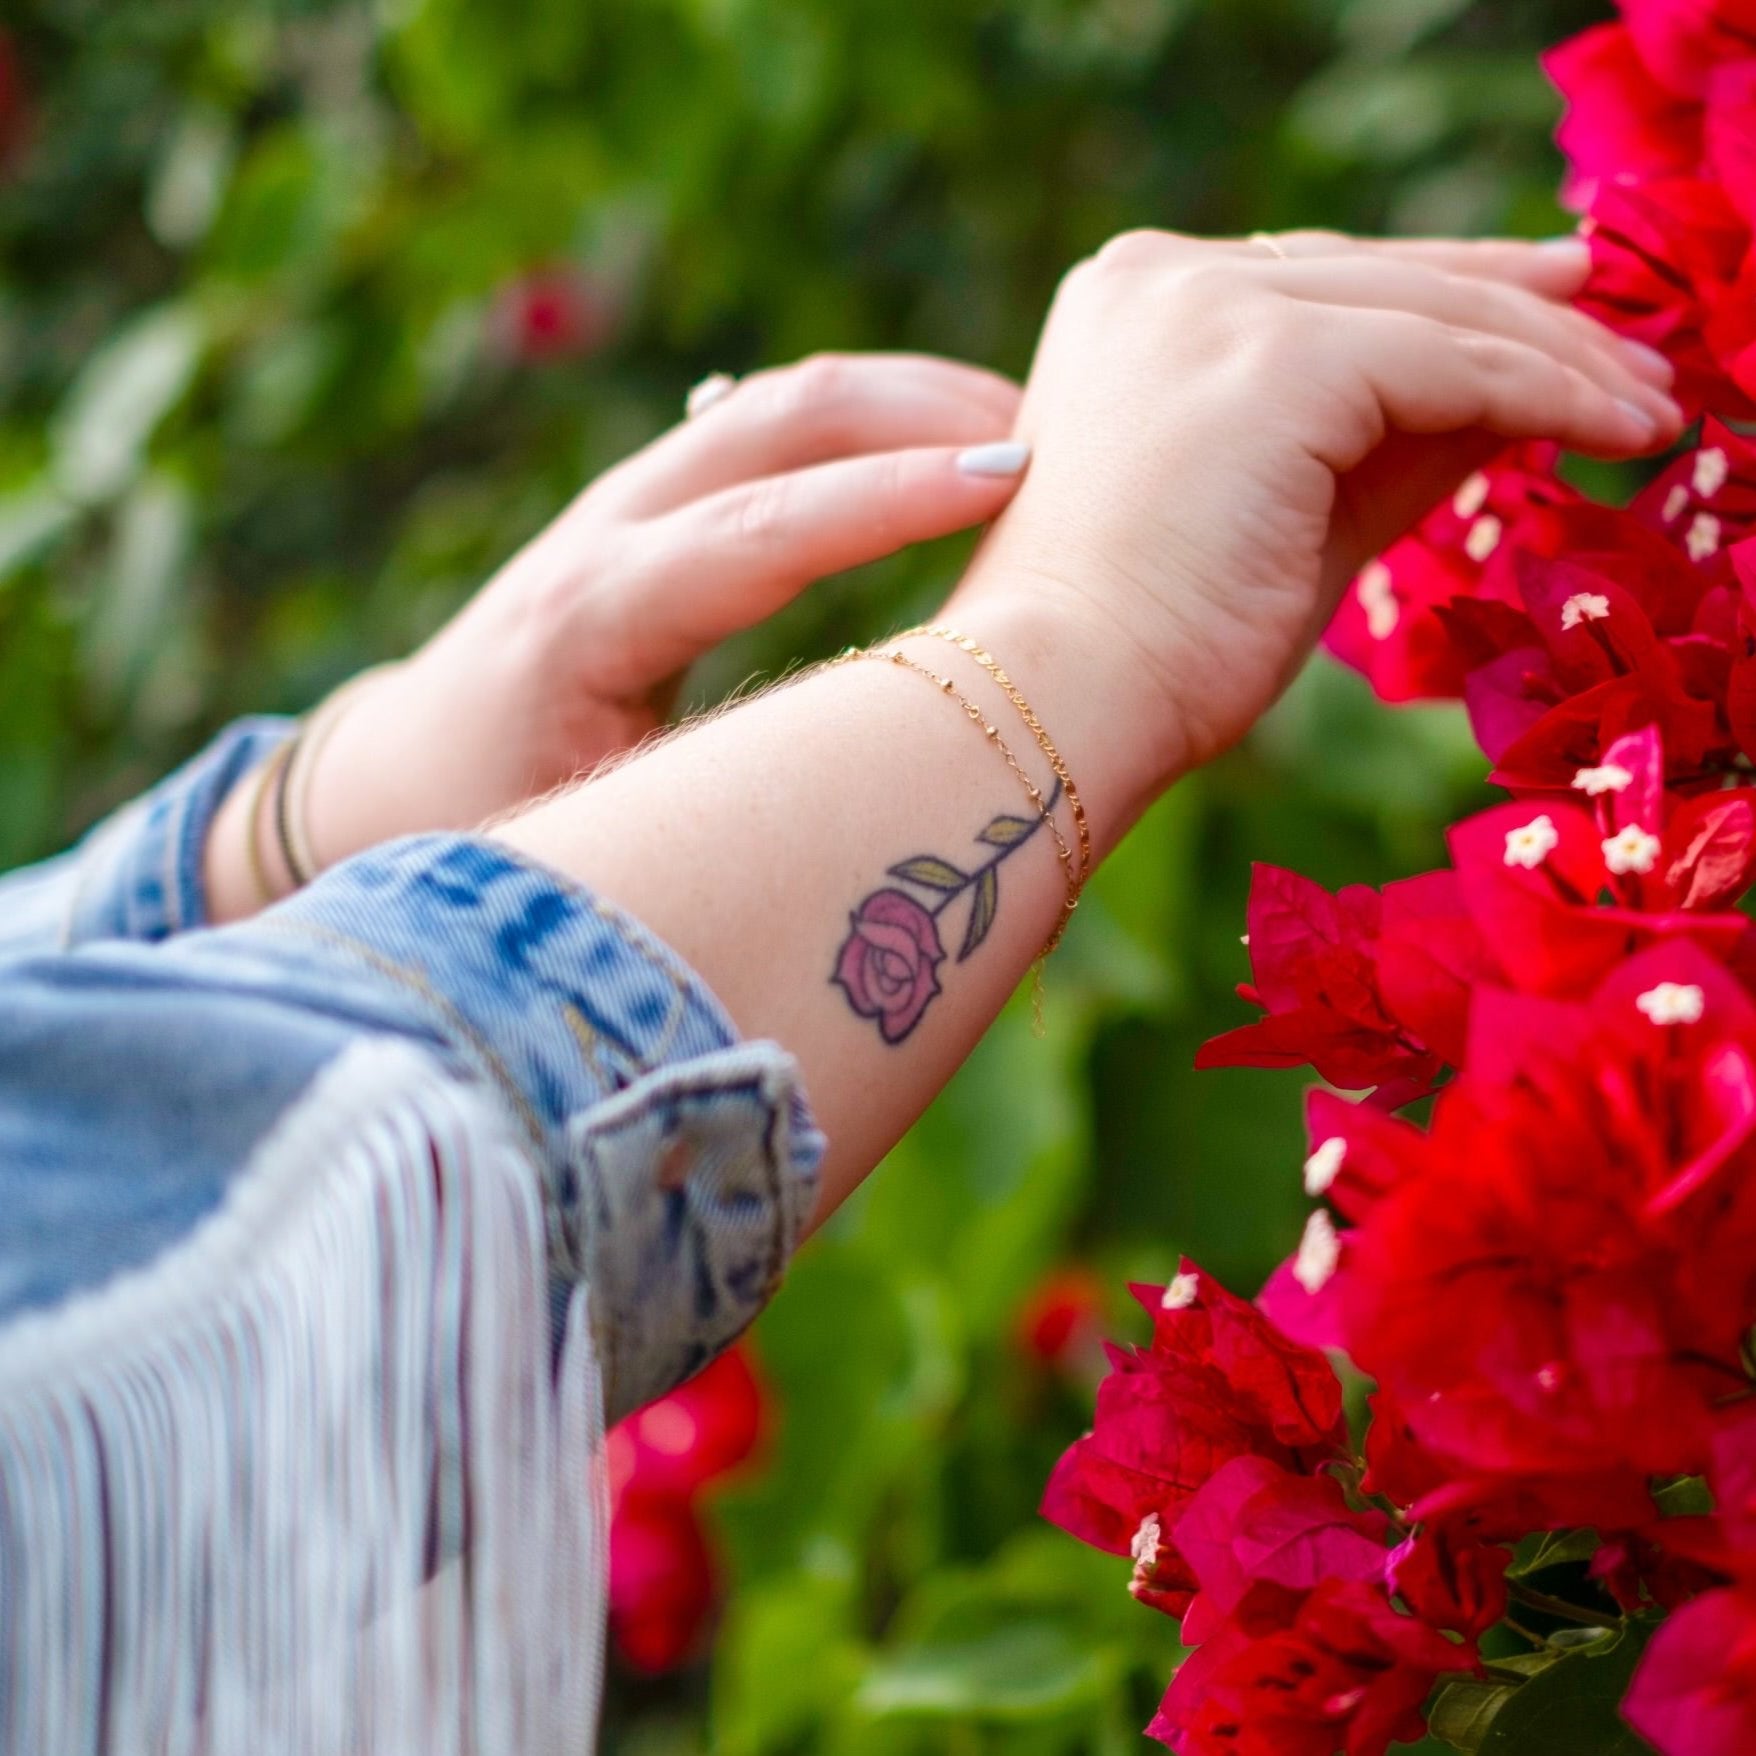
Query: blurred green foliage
{"points": [[262, 422]]}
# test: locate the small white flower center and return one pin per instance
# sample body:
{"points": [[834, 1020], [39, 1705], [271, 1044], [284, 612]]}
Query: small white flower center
{"points": [[1472, 496], [1673, 1003], [1180, 1294], [1631, 850], [1484, 537], [1378, 600], [1147, 1542], [1676, 503], [1530, 845], [1319, 1253], [1611, 778], [1549, 1378], [1324, 1166], [1584, 606], [1711, 470], [1703, 538]]}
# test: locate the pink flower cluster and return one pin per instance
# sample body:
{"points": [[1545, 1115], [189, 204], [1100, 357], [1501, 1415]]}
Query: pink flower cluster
{"points": [[1551, 1280]]}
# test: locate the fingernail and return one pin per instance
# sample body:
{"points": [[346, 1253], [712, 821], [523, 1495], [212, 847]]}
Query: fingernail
{"points": [[1005, 457], [715, 387], [1648, 421], [1650, 360], [1571, 245]]}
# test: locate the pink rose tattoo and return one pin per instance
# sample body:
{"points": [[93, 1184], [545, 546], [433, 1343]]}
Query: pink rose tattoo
{"points": [[888, 965]]}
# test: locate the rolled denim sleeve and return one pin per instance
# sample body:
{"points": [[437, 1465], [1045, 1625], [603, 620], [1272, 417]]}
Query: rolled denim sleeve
{"points": [[678, 1161], [137, 875]]}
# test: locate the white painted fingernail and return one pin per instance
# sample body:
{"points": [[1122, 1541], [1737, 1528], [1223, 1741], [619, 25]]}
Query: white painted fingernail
{"points": [[715, 387], [1647, 420], [1005, 457]]}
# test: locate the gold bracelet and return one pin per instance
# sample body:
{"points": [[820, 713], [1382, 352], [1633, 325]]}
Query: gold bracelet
{"points": [[1044, 806], [991, 665], [293, 805], [265, 777]]}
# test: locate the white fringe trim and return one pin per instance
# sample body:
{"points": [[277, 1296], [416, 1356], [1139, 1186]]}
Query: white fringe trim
{"points": [[314, 1483]]}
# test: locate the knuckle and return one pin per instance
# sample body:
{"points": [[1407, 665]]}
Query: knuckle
{"points": [[1139, 248], [760, 512], [818, 379], [1316, 240]]}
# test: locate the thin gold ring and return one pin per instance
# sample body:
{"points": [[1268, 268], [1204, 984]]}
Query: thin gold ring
{"points": [[1272, 245]]}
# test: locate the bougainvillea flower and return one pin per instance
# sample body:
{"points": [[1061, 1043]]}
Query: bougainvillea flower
{"points": [[1313, 956], [1731, 133], [1254, 1523], [1695, 1691], [1683, 42], [1348, 1671], [1216, 1382], [1705, 500], [1586, 1195], [1620, 120], [1535, 883], [1624, 632], [1391, 627], [1429, 1491], [1450, 1579], [1667, 254], [663, 1572]]}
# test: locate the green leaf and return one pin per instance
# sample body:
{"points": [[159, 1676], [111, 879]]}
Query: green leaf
{"points": [[1573, 1705], [930, 870], [981, 914], [130, 614], [118, 401], [1464, 1711], [1025, 1671], [1553, 1548], [30, 522], [1689, 1497], [1008, 832]]}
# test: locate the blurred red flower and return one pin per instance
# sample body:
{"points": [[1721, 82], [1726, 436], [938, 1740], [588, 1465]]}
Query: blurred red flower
{"points": [[662, 1462], [1061, 1322], [551, 314]]}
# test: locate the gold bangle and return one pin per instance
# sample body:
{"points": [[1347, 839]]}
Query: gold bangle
{"points": [[991, 665], [1044, 806], [265, 776], [293, 812]]}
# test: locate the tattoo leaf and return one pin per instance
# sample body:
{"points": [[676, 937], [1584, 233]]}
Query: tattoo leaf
{"points": [[930, 870], [1008, 832], [981, 914]]}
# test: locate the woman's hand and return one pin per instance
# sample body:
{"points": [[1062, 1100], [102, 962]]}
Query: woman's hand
{"points": [[571, 653], [1222, 436]]}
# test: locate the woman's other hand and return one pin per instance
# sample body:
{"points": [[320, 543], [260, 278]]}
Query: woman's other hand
{"points": [[571, 653], [1224, 432]]}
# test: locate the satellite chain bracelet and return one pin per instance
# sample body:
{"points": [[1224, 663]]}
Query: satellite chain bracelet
{"points": [[1044, 803]]}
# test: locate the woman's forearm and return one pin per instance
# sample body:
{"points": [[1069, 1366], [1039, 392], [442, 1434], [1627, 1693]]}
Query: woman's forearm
{"points": [[795, 848]]}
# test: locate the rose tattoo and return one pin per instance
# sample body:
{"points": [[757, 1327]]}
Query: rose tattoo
{"points": [[888, 965]]}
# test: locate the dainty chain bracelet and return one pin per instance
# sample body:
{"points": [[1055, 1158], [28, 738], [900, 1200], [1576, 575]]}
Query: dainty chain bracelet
{"points": [[1044, 805], [990, 664]]}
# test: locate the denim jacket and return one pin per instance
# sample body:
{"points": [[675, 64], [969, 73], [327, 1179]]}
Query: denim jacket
{"points": [[328, 1242]]}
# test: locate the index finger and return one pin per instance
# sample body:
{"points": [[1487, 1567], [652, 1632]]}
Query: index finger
{"points": [[1556, 268]]}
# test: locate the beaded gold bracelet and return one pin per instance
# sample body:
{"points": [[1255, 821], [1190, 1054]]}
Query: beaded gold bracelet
{"points": [[984, 658], [1043, 803]]}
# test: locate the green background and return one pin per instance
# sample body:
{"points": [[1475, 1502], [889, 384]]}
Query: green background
{"points": [[258, 428]]}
